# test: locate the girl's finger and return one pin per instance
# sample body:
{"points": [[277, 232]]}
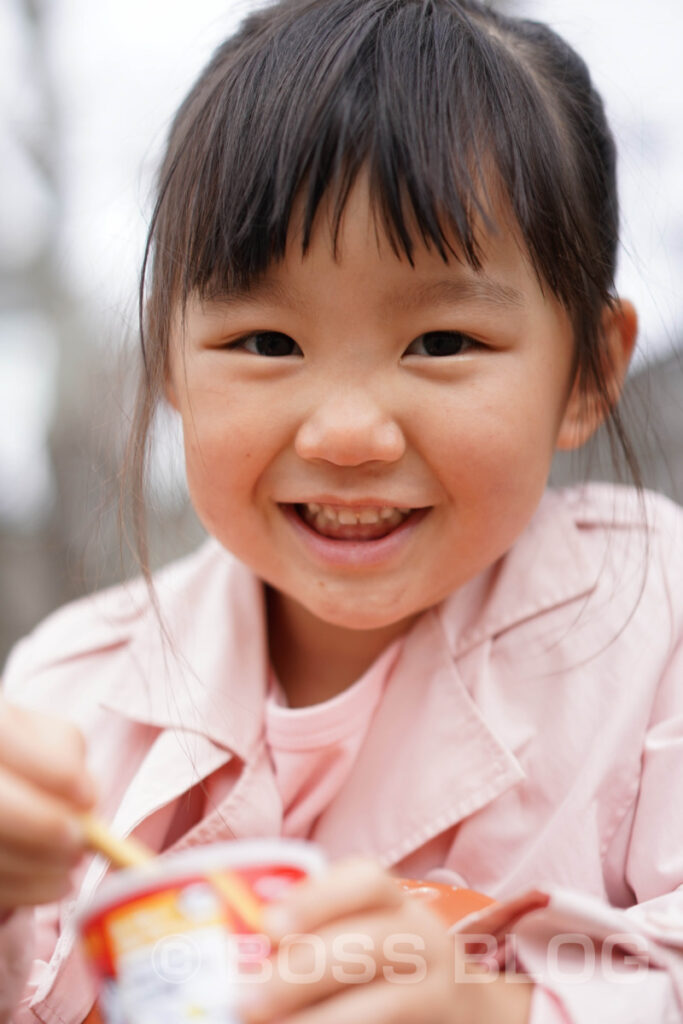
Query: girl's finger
{"points": [[34, 822], [17, 865], [47, 751], [308, 968], [379, 1002], [349, 887], [33, 892]]}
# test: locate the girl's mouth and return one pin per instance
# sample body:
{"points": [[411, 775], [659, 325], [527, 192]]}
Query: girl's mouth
{"points": [[353, 538], [352, 524]]}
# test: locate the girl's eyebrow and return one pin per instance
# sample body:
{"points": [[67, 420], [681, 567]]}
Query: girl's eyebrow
{"points": [[255, 291], [452, 291], [447, 291]]}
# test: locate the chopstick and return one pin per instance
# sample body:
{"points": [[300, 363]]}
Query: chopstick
{"points": [[123, 853], [130, 853]]}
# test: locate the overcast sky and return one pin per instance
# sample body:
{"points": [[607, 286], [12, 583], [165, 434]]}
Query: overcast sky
{"points": [[634, 53], [121, 67]]}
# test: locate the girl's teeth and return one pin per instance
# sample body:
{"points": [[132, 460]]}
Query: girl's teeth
{"points": [[321, 516]]}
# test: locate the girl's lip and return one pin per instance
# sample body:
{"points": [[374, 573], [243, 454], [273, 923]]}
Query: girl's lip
{"points": [[352, 552]]}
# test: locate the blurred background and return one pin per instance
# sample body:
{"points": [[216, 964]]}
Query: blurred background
{"points": [[87, 90]]}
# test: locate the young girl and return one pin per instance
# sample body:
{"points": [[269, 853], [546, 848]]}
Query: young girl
{"points": [[379, 294]]}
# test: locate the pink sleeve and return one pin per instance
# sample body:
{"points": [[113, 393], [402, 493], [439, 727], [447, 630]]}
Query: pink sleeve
{"points": [[28, 935], [546, 1008], [27, 943], [590, 965], [16, 955]]}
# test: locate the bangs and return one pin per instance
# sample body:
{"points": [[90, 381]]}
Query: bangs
{"points": [[431, 101]]}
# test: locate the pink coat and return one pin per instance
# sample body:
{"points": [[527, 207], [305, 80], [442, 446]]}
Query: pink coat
{"points": [[529, 744]]}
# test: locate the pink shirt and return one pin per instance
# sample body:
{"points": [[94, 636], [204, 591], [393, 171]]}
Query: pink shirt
{"points": [[528, 741], [313, 749]]}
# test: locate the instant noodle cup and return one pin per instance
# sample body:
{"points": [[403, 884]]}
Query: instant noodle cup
{"points": [[170, 941]]}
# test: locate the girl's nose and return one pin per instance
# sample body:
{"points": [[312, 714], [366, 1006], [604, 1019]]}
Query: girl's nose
{"points": [[349, 430]]}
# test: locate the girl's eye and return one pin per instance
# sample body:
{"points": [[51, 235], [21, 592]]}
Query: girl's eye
{"points": [[440, 343], [267, 343]]}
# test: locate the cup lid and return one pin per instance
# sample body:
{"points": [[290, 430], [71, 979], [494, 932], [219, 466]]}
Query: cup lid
{"points": [[237, 853]]}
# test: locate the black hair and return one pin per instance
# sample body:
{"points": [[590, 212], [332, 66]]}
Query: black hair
{"points": [[447, 104]]}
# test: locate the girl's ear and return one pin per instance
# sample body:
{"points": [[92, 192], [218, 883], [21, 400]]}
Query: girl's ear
{"points": [[585, 412]]}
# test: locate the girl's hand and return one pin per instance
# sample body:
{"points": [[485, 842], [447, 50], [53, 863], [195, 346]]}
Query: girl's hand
{"points": [[44, 783], [354, 947]]}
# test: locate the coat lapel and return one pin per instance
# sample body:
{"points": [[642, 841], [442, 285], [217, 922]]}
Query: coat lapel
{"points": [[429, 759], [202, 690], [200, 665], [547, 567]]}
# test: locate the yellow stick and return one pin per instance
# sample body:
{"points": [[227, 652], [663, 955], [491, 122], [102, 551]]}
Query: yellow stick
{"points": [[239, 897], [123, 853]]}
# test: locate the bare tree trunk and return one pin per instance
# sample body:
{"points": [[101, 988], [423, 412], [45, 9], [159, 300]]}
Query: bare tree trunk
{"points": [[35, 560]]}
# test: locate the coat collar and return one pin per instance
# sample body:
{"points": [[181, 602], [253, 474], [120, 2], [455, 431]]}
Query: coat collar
{"points": [[200, 664], [209, 642], [547, 567]]}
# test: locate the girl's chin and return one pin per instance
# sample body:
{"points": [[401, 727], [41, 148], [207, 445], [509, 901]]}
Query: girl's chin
{"points": [[359, 616], [360, 623]]}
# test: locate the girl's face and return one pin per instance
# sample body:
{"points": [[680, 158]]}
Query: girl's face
{"points": [[341, 392]]}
